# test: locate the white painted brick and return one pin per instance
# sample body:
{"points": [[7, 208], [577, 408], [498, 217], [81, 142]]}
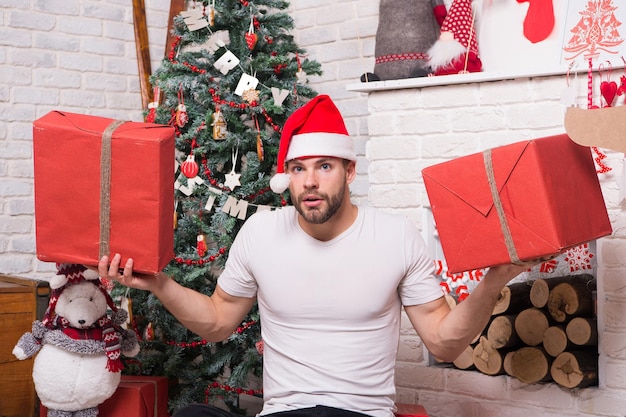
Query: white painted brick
{"points": [[11, 75], [81, 62], [16, 224], [80, 26], [393, 148], [613, 344], [613, 250], [614, 282], [390, 101], [56, 42], [17, 206], [316, 36], [615, 314], [104, 11], [33, 58], [615, 374], [334, 15], [534, 115], [410, 349], [476, 384], [601, 402], [548, 395], [464, 95], [60, 7], [16, 264], [47, 77], [416, 376], [398, 196], [86, 99], [30, 20]]}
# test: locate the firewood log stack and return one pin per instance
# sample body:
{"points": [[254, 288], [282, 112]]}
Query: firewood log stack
{"points": [[541, 331]]}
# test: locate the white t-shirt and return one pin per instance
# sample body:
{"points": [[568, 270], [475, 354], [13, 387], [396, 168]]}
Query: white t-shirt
{"points": [[330, 311]]}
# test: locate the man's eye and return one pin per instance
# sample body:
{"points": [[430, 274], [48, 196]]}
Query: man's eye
{"points": [[325, 167]]}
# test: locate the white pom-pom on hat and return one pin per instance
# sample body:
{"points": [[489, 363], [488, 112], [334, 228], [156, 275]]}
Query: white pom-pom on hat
{"points": [[315, 129]]}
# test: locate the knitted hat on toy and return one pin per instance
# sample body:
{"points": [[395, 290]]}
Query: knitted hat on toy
{"points": [[104, 328], [315, 129], [456, 50]]}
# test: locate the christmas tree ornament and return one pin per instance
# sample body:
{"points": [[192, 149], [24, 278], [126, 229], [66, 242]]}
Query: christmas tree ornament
{"points": [[231, 180], [246, 82], [608, 88], [226, 62], [259, 143], [190, 167], [126, 303], [194, 19], [568, 96], [251, 37], [148, 333], [251, 96], [181, 111], [539, 20], [279, 95], [456, 50], [212, 13], [300, 74], [219, 125], [201, 246], [152, 106]]}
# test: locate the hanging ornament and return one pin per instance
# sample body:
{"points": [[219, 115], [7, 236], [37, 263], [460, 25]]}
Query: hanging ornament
{"points": [[201, 246], [176, 215], [126, 303], [148, 333], [212, 13], [190, 167], [251, 96], [219, 125], [181, 111], [231, 180], [152, 106], [251, 37], [608, 88], [259, 143], [300, 75]]}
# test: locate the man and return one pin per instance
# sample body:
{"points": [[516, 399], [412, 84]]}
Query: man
{"points": [[330, 279]]}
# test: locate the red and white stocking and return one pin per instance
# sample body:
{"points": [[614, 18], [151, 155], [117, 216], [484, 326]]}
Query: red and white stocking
{"points": [[539, 20]]}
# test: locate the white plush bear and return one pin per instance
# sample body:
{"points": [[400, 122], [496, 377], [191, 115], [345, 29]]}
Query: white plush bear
{"points": [[80, 345]]}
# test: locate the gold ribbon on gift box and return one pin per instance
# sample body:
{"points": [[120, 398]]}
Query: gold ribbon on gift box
{"points": [[105, 186]]}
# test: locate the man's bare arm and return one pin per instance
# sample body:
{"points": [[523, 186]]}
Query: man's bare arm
{"points": [[213, 317]]}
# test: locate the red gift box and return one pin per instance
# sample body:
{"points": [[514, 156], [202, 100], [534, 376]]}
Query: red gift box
{"points": [[525, 201], [137, 396], [103, 189]]}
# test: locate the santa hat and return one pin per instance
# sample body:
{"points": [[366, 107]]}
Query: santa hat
{"points": [[458, 38], [315, 129]]}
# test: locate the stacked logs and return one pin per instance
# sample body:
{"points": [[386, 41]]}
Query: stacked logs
{"points": [[540, 331]]}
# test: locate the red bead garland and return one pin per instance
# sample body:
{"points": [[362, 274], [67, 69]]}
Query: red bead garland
{"points": [[172, 54], [228, 388]]}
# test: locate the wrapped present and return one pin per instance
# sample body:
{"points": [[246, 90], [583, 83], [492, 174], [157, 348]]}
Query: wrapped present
{"points": [[137, 396], [521, 202], [102, 187]]}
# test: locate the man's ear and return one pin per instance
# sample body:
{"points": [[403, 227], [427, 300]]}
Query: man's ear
{"points": [[350, 171]]}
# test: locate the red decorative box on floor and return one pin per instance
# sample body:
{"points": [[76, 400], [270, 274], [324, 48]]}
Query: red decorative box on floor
{"points": [[102, 188], [136, 396], [410, 410], [529, 200]]}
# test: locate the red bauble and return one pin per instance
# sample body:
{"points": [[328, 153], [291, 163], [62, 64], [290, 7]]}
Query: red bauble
{"points": [[190, 168]]}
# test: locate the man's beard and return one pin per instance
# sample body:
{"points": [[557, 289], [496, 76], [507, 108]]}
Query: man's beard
{"points": [[325, 212]]}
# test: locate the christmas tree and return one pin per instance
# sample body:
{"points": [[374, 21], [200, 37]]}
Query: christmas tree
{"points": [[232, 77]]}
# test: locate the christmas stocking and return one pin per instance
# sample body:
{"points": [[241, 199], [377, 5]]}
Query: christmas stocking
{"points": [[539, 20]]}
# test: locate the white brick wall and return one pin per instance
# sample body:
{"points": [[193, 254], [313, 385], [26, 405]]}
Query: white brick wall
{"points": [[80, 56]]}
